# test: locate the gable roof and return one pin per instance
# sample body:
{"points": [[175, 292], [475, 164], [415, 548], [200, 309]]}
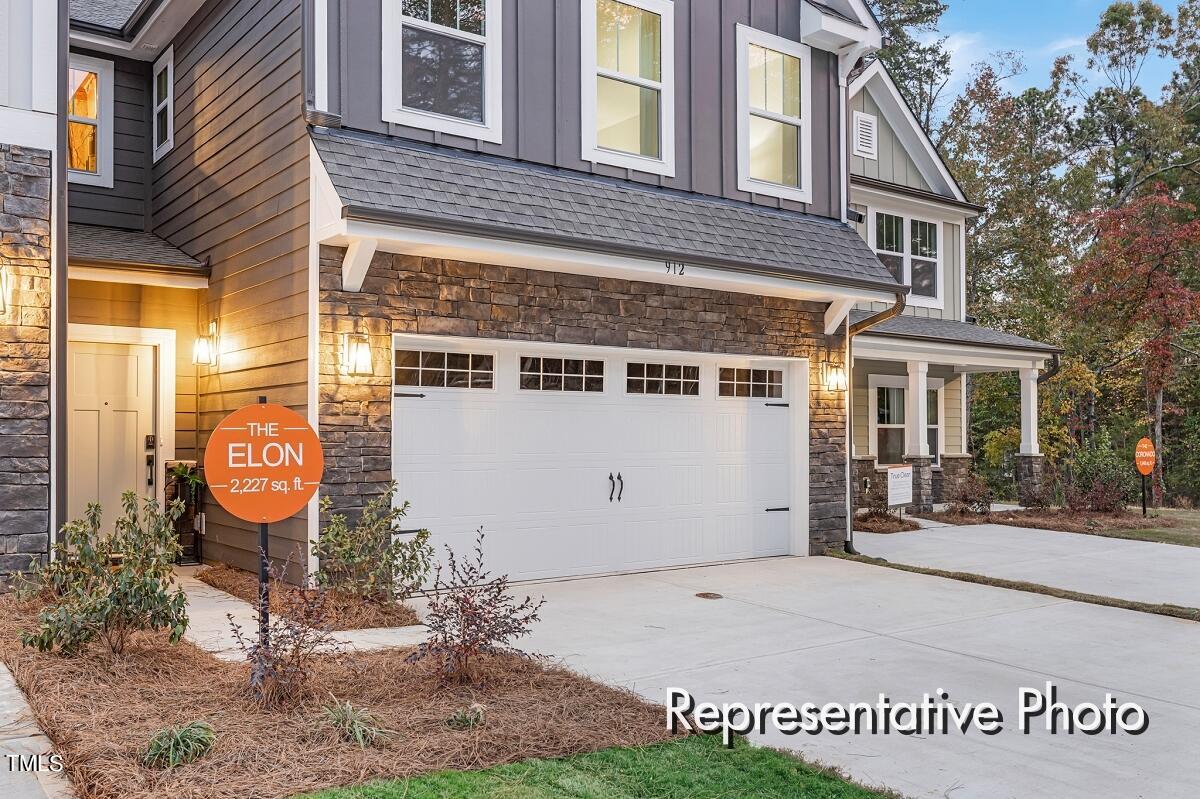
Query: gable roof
{"points": [[908, 129], [109, 246], [114, 14], [949, 330], [393, 181]]}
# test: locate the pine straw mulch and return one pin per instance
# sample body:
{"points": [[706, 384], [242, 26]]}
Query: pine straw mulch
{"points": [[869, 523], [346, 612], [1061, 519], [101, 710]]}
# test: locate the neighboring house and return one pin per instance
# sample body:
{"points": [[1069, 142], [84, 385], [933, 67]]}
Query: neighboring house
{"points": [[579, 271]]}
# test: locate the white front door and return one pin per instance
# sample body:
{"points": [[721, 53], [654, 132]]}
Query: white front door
{"points": [[573, 462], [110, 390]]}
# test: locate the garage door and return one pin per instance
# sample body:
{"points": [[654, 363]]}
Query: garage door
{"points": [[588, 460]]}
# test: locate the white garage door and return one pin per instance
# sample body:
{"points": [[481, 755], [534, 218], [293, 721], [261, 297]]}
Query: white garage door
{"points": [[589, 460]]}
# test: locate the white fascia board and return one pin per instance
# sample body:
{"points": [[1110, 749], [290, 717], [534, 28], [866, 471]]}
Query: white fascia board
{"points": [[828, 32], [957, 354], [327, 204], [154, 35], [28, 128], [928, 209], [139, 277], [501, 252]]}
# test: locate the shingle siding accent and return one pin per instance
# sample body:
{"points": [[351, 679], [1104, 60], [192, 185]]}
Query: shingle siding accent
{"points": [[410, 294], [24, 360]]}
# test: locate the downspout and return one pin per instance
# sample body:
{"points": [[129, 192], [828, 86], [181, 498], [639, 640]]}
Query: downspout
{"points": [[853, 330], [1055, 365]]}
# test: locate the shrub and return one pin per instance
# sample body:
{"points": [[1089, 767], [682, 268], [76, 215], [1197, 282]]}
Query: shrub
{"points": [[1100, 481], [972, 495], [106, 585], [281, 662], [368, 559], [354, 725], [467, 718], [176, 746], [471, 614], [876, 499]]}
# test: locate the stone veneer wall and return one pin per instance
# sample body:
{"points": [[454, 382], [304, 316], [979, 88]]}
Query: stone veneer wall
{"points": [[24, 359], [410, 294]]}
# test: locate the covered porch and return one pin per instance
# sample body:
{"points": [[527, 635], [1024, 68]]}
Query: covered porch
{"points": [[909, 383]]}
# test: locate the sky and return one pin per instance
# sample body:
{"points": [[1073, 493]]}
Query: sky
{"points": [[1041, 30]]}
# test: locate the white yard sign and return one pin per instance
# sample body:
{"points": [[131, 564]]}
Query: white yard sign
{"points": [[900, 484]]}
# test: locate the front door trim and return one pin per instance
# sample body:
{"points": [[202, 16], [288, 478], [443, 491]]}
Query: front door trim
{"points": [[163, 341]]}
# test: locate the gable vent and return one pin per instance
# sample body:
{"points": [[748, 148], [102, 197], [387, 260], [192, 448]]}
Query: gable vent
{"points": [[866, 135]]}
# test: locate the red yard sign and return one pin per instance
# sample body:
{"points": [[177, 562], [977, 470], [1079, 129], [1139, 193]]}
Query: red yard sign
{"points": [[1144, 456], [263, 463]]}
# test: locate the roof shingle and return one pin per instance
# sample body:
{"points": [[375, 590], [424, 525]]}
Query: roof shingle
{"points": [[105, 13], [116, 246], [932, 329]]}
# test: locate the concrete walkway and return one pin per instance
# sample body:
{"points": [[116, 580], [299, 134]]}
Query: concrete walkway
{"points": [[20, 737], [1134, 570], [824, 630]]}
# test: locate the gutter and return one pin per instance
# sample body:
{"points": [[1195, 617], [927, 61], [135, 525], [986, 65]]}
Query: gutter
{"points": [[1055, 365], [852, 331]]}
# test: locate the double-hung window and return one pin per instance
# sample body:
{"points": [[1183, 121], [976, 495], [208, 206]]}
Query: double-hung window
{"points": [[442, 66], [90, 121], [889, 416], [773, 108], [627, 90], [911, 250], [889, 424], [163, 94]]}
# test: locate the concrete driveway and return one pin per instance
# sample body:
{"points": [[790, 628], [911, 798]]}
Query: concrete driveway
{"points": [[1136, 570], [824, 630]]}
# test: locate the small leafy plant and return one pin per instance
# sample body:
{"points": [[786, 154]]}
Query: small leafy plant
{"points": [[972, 496], [1099, 480], [368, 558], [467, 718], [471, 614], [176, 746], [107, 585], [187, 477], [354, 725]]}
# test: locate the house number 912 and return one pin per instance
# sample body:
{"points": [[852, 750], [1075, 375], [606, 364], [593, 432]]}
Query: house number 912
{"points": [[675, 268]]}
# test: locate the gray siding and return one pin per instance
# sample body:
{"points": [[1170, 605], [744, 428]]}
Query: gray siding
{"points": [[894, 164], [541, 91], [235, 190], [126, 204]]}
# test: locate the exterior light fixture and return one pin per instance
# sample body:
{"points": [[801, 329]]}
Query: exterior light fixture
{"points": [[4, 280], [204, 351], [356, 355], [835, 377]]}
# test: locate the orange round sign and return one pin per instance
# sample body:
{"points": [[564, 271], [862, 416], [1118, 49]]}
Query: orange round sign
{"points": [[1143, 456], [263, 463]]}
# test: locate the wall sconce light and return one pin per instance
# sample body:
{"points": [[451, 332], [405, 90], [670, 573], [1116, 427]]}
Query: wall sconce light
{"points": [[4, 281], [834, 376], [356, 355], [204, 351]]}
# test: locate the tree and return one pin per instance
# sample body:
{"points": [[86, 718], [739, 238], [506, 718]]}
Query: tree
{"points": [[920, 68]]}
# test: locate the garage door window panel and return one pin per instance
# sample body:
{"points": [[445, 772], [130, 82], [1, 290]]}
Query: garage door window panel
{"points": [[568, 375], [429, 369], [737, 382], [668, 379]]}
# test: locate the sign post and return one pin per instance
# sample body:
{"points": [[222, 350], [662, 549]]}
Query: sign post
{"points": [[263, 463], [1144, 457]]}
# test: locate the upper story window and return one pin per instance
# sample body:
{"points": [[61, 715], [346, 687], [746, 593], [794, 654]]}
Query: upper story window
{"points": [[90, 121], [910, 248], [628, 91], [773, 108], [442, 66], [163, 90]]}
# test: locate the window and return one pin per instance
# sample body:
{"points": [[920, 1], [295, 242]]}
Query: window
{"points": [[561, 374], [866, 136], [662, 378], [774, 139], [933, 423], [909, 248], [889, 423], [750, 383], [442, 66], [889, 414], [444, 369], [163, 90], [90, 121], [628, 100]]}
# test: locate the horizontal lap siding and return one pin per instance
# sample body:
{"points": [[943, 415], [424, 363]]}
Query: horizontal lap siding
{"points": [[235, 191]]}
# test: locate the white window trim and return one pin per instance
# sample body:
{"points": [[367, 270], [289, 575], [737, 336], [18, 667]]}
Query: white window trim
{"points": [[167, 62], [901, 382], [589, 69], [938, 301], [747, 36], [103, 176], [492, 127], [871, 154]]}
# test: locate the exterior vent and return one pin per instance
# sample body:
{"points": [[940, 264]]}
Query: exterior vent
{"points": [[866, 135]]}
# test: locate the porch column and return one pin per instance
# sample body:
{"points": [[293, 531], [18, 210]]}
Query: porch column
{"points": [[916, 415], [1029, 460]]}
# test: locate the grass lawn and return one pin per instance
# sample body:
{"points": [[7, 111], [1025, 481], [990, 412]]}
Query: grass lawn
{"points": [[691, 768], [1167, 526], [1184, 529]]}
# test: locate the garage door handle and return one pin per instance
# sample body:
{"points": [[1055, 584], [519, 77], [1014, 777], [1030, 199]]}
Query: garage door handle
{"points": [[622, 482], [777, 510], [612, 486]]}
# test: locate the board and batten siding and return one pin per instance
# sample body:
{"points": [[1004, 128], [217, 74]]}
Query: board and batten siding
{"points": [[234, 190], [541, 88], [127, 203], [130, 305], [893, 164]]}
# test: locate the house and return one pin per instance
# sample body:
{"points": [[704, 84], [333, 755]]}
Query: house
{"points": [[603, 276]]}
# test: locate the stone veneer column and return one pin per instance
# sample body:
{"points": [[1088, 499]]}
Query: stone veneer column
{"points": [[864, 470], [956, 469], [1029, 470], [24, 359], [922, 491]]}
